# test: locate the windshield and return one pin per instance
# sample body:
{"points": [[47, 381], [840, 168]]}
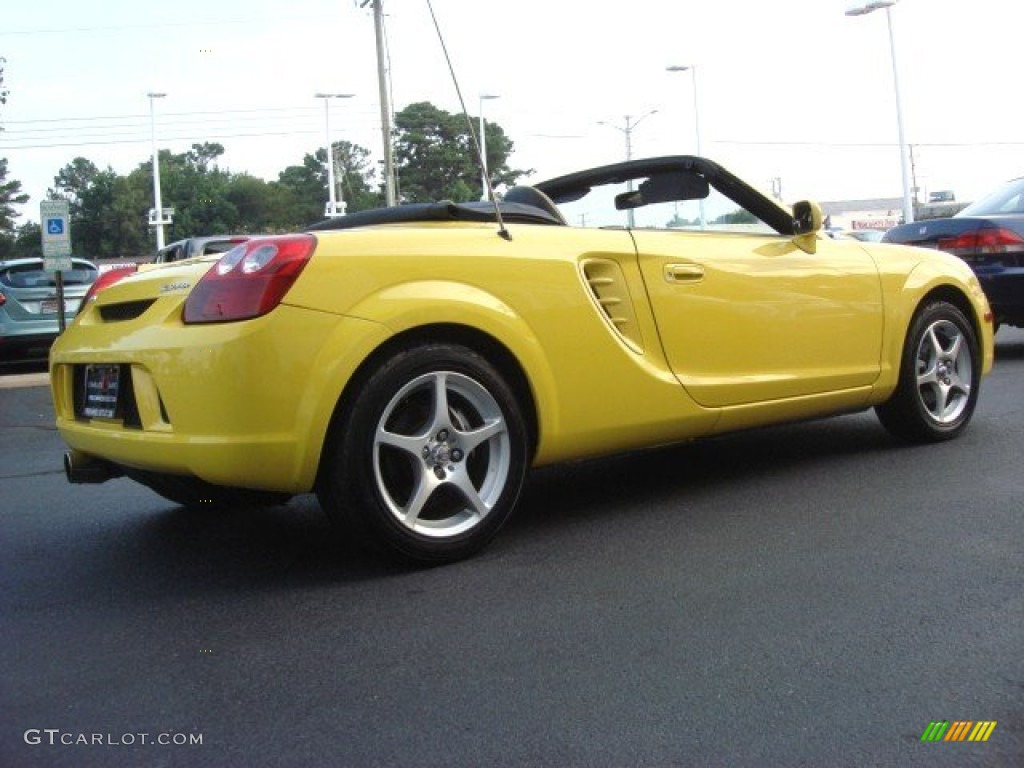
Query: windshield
{"points": [[714, 212], [1008, 198], [675, 192]]}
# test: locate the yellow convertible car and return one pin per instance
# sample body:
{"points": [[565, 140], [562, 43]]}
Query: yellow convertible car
{"points": [[410, 364]]}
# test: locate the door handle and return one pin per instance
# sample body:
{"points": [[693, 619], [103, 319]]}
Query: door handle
{"points": [[684, 273]]}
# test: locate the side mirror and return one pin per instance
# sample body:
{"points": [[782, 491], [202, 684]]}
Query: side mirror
{"points": [[807, 218]]}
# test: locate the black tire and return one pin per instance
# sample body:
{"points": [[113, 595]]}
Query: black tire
{"points": [[940, 374], [430, 479], [193, 492]]}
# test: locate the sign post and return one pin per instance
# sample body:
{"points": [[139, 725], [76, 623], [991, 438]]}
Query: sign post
{"points": [[55, 222]]}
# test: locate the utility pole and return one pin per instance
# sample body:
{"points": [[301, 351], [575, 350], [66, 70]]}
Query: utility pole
{"points": [[631, 124], [385, 103]]}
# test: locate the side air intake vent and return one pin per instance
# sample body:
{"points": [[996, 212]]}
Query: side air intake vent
{"points": [[608, 287]]}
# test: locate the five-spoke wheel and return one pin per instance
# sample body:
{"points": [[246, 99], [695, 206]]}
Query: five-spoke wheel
{"points": [[939, 376], [944, 371], [430, 456], [441, 454]]}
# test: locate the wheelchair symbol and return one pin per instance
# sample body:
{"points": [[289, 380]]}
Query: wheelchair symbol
{"points": [[55, 226]]}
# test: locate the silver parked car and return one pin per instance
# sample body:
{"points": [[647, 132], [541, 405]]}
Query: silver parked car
{"points": [[29, 320]]}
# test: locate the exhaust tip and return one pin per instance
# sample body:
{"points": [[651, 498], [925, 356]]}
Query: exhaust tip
{"points": [[79, 468]]}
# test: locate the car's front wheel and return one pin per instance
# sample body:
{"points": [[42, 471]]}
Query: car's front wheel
{"points": [[430, 456], [939, 377]]}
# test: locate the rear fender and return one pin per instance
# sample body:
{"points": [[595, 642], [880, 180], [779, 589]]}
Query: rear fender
{"points": [[406, 307], [402, 308]]}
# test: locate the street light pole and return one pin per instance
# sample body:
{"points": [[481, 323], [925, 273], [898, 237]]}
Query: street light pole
{"points": [[692, 69], [158, 211], [484, 194], [630, 126], [335, 202], [861, 9]]}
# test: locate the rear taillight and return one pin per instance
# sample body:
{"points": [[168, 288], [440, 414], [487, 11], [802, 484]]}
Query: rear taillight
{"points": [[3, 299], [107, 279], [985, 241], [249, 280]]}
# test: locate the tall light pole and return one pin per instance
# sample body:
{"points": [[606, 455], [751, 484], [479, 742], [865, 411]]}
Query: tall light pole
{"points": [[627, 131], [156, 217], [483, 147], [692, 69], [335, 203], [860, 9]]}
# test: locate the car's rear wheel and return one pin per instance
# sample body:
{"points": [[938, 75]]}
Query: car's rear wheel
{"points": [[430, 456], [193, 492], [939, 377]]}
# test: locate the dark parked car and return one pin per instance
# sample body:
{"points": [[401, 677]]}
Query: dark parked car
{"points": [[989, 236], [29, 320], [865, 235]]}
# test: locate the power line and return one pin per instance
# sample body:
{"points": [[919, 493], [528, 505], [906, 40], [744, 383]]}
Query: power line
{"points": [[179, 126], [204, 137], [145, 116], [129, 27]]}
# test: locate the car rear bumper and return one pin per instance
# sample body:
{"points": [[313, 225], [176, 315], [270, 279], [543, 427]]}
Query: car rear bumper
{"points": [[1004, 289], [236, 404], [26, 343]]}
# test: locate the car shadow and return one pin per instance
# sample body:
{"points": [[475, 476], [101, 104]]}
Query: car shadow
{"points": [[558, 494], [1009, 345], [163, 550]]}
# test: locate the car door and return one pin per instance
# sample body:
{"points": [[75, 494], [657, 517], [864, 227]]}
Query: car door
{"points": [[750, 318]]}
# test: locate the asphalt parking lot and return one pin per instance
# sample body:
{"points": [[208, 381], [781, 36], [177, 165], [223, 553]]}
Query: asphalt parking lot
{"points": [[809, 595]]}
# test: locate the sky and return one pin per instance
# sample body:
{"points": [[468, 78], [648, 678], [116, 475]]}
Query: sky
{"points": [[790, 90]]}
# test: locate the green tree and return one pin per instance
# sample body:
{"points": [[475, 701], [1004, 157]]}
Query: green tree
{"points": [[126, 221], [304, 189], [260, 205], [25, 242], [356, 176], [197, 189], [739, 216], [10, 191], [10, 196], [86, 189], [109, 212], [435, 158]]}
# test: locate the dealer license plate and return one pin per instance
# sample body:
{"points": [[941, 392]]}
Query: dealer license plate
{"points": [[49, 306], [102, 383]]}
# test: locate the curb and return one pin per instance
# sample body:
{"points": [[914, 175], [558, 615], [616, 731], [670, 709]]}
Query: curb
{"points": [[22, 380]]}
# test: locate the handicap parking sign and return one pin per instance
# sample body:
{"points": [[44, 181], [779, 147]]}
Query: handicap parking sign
{"points": [[56, 230]]}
